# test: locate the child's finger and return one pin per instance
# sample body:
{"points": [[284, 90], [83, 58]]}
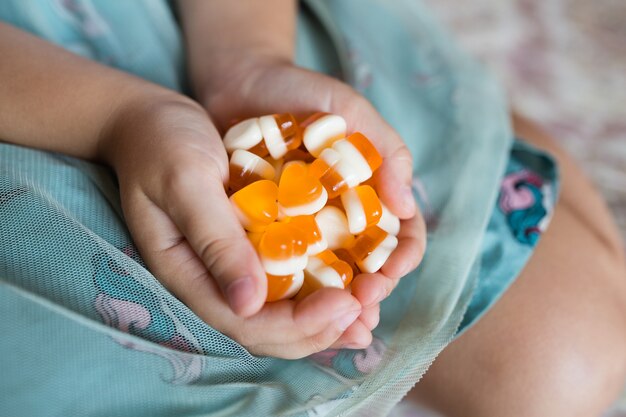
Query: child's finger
{"points": [[357, 336], [285, 329], [198, 205], [346, 326], [393, 182], [410, 250], [393, 178], [370, 289], [370, 316], [329, 311]]}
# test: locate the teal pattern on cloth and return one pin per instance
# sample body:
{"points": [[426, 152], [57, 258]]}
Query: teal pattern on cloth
{"points": [[87, 330]]}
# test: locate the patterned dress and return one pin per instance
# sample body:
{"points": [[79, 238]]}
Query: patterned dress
{"points": [[86, 329]]}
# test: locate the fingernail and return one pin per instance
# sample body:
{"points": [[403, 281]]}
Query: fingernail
{"points": [[381, 296], [352, 346], [239, 293], [346, 318], [407, 197]]}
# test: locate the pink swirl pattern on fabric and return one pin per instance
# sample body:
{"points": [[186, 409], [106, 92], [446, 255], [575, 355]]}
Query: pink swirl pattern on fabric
{"points": [[513, 197], [122, 314]]}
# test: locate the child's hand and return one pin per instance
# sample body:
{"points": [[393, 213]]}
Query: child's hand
{"points": [[264, 86], [172, 166]]}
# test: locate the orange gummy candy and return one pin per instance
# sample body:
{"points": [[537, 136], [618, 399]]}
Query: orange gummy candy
{"points": [[298, 192], [259, 149], [329, 177], [298, 154], [362, 206], [321, 130], [255, 205], [280, 133], [345, 256], [325, 270], [346, 164], [273, 134], [371, 204], [366, 149], [289, 130], [282, 241], [277, 286], [366, 242], [343, 268], [312, 118], [240, 177], [308, 225], [246, 168]]}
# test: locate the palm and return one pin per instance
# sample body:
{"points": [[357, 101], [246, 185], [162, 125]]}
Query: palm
{"points": [[285, 88]]}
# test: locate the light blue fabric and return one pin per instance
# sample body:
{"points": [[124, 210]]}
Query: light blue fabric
{"points": [[87, 330], [527, 196], [139, 36]]}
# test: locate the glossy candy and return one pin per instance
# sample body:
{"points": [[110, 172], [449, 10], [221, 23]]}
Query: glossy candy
{"points": [[362, 207], [308, 225], [255, 205], [280, 134], [328, 259], [298, 155], [321, 130], [372, 248], [365, 149], [346, 164], [246, 168], [333, 225], [388, 221], [275, 134], [335, 202], [283, 287], [298, 192], [243, 135], [334, 172], [278, 165], [345, 256], [282, 249], [325, 271]]}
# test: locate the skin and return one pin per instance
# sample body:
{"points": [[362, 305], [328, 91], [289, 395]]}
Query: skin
{"points": [[172, 170], [566, 355], [168, 157], [237, 73], [555, 343]]}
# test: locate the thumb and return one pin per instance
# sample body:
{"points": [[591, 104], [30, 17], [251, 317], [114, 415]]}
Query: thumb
{"points": [[200, 208]]}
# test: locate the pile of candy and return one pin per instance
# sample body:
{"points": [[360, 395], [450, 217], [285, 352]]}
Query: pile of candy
{"points": [[297, 189]]}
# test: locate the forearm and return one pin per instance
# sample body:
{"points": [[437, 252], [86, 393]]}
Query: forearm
{"points": [[54, 100], [222, 34]]}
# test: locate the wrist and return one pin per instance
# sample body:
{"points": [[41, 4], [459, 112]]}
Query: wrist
{"points": [[222, 36], [227, 93], [234, 68]]}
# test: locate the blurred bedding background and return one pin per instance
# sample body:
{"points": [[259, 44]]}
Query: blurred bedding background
{"points": [[563, 64]]}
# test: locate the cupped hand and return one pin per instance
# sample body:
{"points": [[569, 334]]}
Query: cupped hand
{"points": [[172, 168], [265, 86]]}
